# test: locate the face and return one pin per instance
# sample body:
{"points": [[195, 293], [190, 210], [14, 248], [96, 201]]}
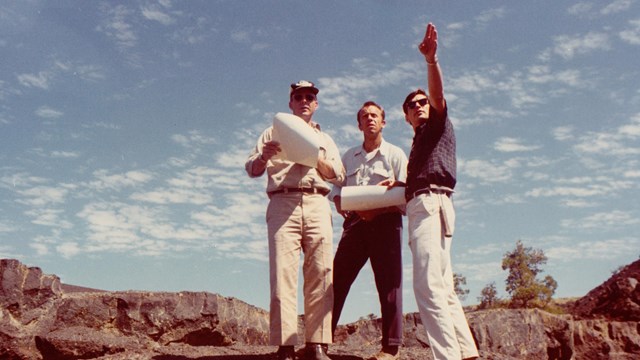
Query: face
{"points": [[370, 120], [303, 103], [417, 110]]}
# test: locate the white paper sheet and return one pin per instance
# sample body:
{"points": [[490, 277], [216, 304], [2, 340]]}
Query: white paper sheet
{"points": [[370, 197], [298, 141]]}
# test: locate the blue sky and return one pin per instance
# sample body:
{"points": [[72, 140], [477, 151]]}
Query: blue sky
{"points": [[125, 127]]}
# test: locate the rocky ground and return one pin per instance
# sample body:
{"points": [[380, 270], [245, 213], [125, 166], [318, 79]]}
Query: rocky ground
{"points": [[40, 318]]}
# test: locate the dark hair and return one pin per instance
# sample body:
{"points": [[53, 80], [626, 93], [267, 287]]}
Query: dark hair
{"points": [[369, 103], [405, 104]]}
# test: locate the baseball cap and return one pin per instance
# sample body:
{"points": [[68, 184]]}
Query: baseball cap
{"points": [[303, 84]]}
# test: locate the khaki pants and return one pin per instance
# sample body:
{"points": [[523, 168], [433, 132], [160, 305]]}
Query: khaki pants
{"points": [[300, 222]]}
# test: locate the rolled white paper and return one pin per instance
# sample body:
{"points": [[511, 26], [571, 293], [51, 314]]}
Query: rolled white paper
{"points": [[370, 197], [298, 141]]}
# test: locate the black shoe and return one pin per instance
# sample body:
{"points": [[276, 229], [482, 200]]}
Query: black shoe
{"points": [[316, 351], [286, 352]]}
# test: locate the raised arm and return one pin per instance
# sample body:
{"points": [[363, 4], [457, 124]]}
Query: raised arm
{"points": [[428, 47]]}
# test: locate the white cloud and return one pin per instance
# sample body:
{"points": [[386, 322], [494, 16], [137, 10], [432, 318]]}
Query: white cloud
{"points": [[608, 144], [21, 180], [632, 174], [120, 227], [631, 35], [49, 217], [542, 74], [631, 130], [580, 8], [568, 46], [116, 27], [233, 159], [40, 248], [193, 139], [259, 46], [486, 171], [6, 227], [240, 36], [524, 89], [40, 80], [563, 133], [156, 14], [489, 15], [565, 191], [342, 95], [603, 221], [480, 271], [85, 72], [508, 144], [482, 115], [68, 249], [103, 125], [43, 195], [616, 6], [470, 82], [48, 112], [117, 181], [593, 250], [64, 154], [174, 196]]}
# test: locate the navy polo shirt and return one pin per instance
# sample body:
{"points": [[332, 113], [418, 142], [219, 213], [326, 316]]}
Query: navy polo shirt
{"points": [[432, 160]]}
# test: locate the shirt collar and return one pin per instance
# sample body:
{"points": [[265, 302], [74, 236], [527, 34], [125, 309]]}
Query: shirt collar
{"points": [[381, 149], [315, 125]]}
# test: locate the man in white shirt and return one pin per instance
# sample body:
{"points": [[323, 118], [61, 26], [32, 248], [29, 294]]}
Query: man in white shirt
{"points": [[376, 234]]}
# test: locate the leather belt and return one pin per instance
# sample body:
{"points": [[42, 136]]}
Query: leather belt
{"points": [[428, 191], [304, 190]]}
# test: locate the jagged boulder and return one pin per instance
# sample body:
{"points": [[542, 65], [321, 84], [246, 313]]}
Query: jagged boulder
{"points": [[23, 288], [40, 321], [618, 298]]}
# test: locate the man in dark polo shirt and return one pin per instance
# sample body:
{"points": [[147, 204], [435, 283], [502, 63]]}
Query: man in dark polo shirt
{"points": [[431, 178]]}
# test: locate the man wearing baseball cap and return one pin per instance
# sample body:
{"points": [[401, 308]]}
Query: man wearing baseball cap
{"points": [[299, 219]]}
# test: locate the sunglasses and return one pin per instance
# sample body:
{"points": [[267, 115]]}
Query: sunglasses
{"points": [[308, 97], [415, 104]]}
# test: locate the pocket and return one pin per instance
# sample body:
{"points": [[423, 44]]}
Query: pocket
{"points": [[352, 176], [427, 205], [430, 204], [382, 172]]}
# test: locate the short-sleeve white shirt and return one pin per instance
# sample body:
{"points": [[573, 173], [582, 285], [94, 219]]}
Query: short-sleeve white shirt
{"points": [[386, 162]]}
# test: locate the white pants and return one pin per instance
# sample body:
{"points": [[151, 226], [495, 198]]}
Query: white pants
{"points": [[440, 309]]}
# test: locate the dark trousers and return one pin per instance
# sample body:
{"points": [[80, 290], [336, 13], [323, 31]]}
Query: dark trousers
{"points": [[379, 241]]}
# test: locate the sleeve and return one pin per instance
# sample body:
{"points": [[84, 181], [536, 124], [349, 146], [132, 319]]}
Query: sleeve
{"points": [[333, 156], [337, 187], [400, 164], [256, 152]]}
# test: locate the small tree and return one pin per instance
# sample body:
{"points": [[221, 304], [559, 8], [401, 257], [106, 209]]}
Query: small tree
{"points": [[458, 281], [525, 289], [489, 297]]}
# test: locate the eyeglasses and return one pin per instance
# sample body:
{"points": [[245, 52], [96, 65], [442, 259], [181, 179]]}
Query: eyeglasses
{"points": [[421, 103], [308, 97]]}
